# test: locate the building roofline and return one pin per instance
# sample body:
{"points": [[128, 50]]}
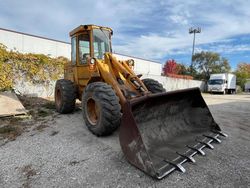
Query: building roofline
{"points": [[31, 35], [3, 29], [137, 57]]}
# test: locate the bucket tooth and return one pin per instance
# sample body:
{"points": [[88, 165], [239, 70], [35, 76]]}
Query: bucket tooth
{"points": [[197, 149], [213, 138], [176, 165], [189, 158], [221, 133], [210, 146]]}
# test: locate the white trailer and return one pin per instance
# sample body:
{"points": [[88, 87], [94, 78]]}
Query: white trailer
{"points": [[247, 86], [222, 83]]}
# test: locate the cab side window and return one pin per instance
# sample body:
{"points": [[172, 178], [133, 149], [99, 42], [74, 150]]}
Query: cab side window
{"points": [[84, 48], [73, 50]]}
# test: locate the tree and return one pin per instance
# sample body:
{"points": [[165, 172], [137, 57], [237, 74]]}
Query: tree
{"points": [[183, 69], [170, 67], [206, 63], [242, 73]]}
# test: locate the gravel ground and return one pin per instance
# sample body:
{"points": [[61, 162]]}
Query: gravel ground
{"points": [[65, 154]]}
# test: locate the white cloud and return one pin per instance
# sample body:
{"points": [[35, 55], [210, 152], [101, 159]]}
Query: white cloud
{"points": [[179, 19], [228, 48], [217, 25], [141, 28]]}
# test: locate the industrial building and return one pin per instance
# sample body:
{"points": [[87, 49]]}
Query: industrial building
{"points": [[28, 43]]}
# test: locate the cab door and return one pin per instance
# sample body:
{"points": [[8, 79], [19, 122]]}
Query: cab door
{"points": [[69, 70], [83, 56]]}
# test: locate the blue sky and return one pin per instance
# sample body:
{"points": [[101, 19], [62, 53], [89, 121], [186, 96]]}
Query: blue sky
{"points": [[156, 30]]}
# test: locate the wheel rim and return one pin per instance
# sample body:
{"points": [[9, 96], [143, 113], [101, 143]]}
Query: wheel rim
{"points": [[93, 111], [58, 98]]}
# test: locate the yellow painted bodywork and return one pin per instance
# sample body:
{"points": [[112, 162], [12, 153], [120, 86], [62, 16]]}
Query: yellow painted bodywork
{"points": [[118, 74]]}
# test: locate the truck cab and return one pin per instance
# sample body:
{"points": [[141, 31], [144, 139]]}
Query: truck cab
{"points": [[222, 83]]}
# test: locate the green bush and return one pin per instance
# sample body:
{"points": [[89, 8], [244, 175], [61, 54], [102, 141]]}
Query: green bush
{"points": [[35, 68]]}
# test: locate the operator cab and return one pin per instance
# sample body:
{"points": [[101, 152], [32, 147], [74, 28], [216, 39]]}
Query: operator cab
{"points": [[89, 41]]}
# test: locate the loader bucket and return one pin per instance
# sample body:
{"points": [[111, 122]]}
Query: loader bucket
{"points": [[160, 132]]}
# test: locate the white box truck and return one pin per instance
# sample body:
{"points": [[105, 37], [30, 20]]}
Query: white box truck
{"points": [[222, 83], [247, 86]]}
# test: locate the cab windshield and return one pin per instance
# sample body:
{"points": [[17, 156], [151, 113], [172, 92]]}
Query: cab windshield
{"points": [[101, 42], [215, 82]]}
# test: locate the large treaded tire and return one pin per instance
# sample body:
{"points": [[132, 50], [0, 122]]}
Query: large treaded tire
{"points": [[65, 96], [107, 110], [153, 85]]}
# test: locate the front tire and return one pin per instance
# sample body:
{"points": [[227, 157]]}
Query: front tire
{"points": [[65, 96], [153, 85], [101, 109]]}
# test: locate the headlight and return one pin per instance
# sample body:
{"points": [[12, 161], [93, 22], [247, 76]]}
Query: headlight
{"points": [[92, 61], [131, 62]]}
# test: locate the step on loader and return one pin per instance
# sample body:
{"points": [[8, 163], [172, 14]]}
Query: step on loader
{"points": [[159, 130]]}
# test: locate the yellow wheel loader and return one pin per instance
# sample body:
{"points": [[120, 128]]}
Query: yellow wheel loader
{"points": [[159, 130]]}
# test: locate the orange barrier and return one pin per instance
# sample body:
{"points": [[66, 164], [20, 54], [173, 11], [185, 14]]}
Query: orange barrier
{"points": [[187, 77]]}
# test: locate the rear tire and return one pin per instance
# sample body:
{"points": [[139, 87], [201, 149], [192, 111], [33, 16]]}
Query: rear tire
{"points": [[65, 96], [101, 109], [153, 85]]}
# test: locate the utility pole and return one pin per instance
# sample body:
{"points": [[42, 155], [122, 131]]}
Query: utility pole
{"points": [[193, 31]]}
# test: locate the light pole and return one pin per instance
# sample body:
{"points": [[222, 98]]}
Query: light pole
{"points": [[193, 31]]}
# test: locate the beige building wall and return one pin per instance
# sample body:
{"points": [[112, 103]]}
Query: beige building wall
{"points": [[26, 43], [143, 66]]}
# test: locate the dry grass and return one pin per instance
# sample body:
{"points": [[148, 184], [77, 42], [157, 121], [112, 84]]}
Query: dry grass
{"points": [[54, 133], [39, 109], [49, 105], [11, 128], [10, 132], [28, 172], [41, 127]]}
